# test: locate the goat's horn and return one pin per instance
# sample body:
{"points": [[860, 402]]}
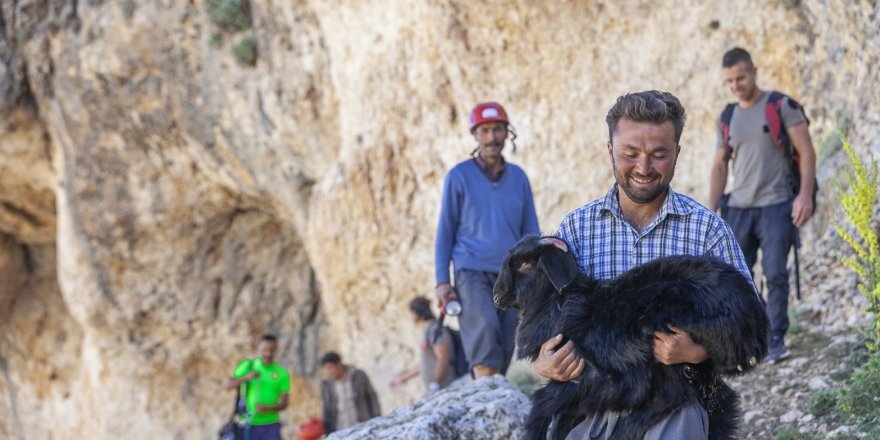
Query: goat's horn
{"points": [[555, 242]]}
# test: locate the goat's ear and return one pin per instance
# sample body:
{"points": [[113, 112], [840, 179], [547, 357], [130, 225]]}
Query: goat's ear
{"points": [[560, 268]]}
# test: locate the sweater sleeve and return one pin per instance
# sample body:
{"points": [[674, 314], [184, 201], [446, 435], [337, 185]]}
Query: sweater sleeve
{"points": [[450, 210]]}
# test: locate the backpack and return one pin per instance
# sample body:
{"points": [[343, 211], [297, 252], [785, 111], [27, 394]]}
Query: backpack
{"points": [[234, 428], [458, 360], [776, 129]]}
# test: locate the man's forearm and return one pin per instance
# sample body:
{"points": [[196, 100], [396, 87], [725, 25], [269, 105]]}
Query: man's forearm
{"points": [[440, 371], [807, 168], [235, 382], [276, 407], [282, 404], [717, 183]]}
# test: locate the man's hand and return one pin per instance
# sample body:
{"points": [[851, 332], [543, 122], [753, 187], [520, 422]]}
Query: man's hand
{"points": [[252, 375], [396, 381], [442, 292], [802, 208], [677, 347], [562, 365]]}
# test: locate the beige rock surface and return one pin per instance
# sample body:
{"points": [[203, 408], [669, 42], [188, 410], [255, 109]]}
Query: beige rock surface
{"points": [[161, 204]]}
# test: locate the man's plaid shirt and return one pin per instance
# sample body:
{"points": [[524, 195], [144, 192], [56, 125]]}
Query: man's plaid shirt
{"points": [[605, 245]]}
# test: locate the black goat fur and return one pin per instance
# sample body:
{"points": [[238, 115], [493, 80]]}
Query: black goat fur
{"points": [[612, 324]]}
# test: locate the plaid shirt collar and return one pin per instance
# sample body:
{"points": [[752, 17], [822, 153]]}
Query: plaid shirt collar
{"points": [[673, 205]]}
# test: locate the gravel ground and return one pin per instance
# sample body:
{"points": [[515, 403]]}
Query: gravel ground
{"points": [[826, 344]]}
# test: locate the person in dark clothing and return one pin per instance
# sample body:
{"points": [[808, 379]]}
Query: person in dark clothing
{"points": [[435, 350], [347, 397], [761, 207]]}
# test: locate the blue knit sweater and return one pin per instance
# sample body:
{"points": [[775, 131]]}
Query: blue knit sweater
{"points": [[481, 220]]}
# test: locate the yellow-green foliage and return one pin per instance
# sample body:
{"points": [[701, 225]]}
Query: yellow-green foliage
{"points": [[858, 203]]}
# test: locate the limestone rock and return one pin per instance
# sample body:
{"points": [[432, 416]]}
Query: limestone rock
{"points": [[489, 408], [791, 416]]}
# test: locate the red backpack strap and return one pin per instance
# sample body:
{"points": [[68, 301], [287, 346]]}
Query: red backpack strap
{"points": [[775, 126], [773, 117], [724, 126]]}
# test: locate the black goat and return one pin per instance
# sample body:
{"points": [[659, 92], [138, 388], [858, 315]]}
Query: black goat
{"points": [[612, 324]]}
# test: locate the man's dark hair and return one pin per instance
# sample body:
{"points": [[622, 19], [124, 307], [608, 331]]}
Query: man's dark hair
{"points": [[269, 337], [422, 308], [650, 106], [735, 56], [331, 357]]}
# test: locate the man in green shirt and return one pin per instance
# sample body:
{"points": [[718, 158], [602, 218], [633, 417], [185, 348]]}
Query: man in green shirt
{"points": [[265, 385]]}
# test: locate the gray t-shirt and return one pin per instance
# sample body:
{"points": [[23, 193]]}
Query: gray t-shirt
{"points": [[429, 360], [347, 413], [760, 170]]}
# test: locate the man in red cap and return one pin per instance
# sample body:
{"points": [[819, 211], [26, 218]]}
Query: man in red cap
{"points": [[487, 207]]}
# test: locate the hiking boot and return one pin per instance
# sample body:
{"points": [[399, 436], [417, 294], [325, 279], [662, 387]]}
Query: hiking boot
{"points": [[777, 354]]}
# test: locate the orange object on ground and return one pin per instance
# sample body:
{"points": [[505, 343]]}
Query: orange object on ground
{"points": [[311, 430]]}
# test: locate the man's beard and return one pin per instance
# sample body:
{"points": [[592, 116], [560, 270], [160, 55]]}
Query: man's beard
{"points": [[640, 195]]}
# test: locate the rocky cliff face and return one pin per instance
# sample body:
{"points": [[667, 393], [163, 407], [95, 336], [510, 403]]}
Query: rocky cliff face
{"points": [[178, 177]]}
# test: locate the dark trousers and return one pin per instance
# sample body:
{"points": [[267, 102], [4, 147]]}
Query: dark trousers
{"points": [[264, 432], [487, 332], [768, 228]]}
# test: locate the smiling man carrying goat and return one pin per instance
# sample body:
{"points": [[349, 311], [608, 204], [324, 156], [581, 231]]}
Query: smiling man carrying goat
{"points": [[639, 220]]}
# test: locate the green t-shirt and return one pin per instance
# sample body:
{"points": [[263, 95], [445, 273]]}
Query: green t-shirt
{"points": [[265, 389]]}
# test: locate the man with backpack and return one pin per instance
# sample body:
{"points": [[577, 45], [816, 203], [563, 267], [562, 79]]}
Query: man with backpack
{"points": [[764, 138], [487, 206], [439, 350], [265, 386]]}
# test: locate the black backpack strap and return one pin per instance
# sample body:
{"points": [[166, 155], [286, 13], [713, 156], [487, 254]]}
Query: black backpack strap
{"points": [[724, 126], [438, 330], [238, 389]]}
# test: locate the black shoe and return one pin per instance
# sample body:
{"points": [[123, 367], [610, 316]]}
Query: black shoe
{"points": [[777, 354]]}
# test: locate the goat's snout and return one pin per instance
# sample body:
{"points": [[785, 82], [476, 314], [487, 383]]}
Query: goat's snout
{"points": [[502, 293]]}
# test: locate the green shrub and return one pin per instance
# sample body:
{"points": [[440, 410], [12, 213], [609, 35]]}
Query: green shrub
{"points": [[790, 433], [128, 8], [230, 15], [526, 383], [858, 203], [245, 51], [822, 402], [216, 40], [860, 396], [832, 143]]}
